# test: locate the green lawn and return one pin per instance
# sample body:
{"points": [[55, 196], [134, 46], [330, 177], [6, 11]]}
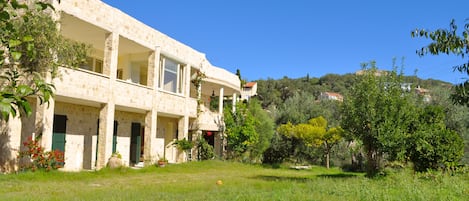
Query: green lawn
{"points": [[197, 181]]}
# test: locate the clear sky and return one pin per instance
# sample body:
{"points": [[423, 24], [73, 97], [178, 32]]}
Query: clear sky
{"points": [[274, 38]]}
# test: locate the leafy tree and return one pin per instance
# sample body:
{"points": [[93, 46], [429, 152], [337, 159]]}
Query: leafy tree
{"points": [[280, 149], [240, 129], [314, 134], [448, 41], [455, 116], [378, 113], [297, 109], [433, 145], [264, 127], [31, 50]]}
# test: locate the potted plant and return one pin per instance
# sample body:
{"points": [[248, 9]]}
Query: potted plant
{"points": [[162, 161]]}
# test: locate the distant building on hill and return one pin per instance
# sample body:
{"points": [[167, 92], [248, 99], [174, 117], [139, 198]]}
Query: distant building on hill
{"points": [[425, 93], [331, 96], [249, 90]]}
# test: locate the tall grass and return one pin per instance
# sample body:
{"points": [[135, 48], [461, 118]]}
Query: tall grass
{"points": [[197, 181]]}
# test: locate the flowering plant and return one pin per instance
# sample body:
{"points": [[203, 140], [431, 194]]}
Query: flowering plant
{"points": [[41, 159]]}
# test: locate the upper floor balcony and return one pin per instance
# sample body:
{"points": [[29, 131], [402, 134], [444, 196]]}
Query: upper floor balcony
{"points": [[136, 62]]}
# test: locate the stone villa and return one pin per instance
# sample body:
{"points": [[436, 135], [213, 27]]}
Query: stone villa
{"points": [[134, 95]]}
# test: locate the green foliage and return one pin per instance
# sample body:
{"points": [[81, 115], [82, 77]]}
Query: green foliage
{"points": [[314, 134], [280, 149], [38, 158], [378, 112], [264, 127], [391, 121], [32, 49], [240, 129], [455, 116], [249, 131], [435, 148], [448, 42], [204, 150], [183, 144]]}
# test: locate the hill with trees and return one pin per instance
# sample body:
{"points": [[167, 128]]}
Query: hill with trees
{"points": [[293, 102]]}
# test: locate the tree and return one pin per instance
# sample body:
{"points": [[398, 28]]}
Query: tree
{"points": [[433, 145], [240, 129], [264, 126], [315, 133], [31, 51], [249, 130], [378, 113], [448, 42]]}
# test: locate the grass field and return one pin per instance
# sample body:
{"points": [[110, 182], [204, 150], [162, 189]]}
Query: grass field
{"points": [[197, 181]]}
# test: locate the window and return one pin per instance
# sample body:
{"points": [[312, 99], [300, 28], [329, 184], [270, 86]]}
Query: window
{"points": [[120, 74], [171, 76], [93, 64]]}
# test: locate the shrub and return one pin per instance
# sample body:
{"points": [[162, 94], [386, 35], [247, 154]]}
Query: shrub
{"points": [[39, 158], [204, 150], [436, 149]]}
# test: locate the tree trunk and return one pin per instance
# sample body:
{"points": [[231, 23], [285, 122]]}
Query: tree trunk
{"points": [[327, 160], [327, 154]]}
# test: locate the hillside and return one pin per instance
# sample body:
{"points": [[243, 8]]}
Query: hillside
{"points": [[277, 91]]}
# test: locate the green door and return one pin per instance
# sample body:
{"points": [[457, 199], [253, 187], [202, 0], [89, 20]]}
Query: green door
{"points": [[114, 140], [58, 132], [135, 143], [114, 137]]}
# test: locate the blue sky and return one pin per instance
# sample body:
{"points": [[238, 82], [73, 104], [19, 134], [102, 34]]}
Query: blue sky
{"points": [[272, 39]]}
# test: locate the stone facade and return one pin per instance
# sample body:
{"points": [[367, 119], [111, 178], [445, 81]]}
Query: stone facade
{"points": [[127, 99]]}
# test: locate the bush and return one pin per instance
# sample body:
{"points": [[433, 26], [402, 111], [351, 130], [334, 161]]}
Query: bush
{"points": [[40, 159], [435, 148], [278, 151], [204, 150]]}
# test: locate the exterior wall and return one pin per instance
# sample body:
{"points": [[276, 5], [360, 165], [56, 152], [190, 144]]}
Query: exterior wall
{"points": [[82, 85], [132, 95], [85, 96], [112, 19], [169, 103], [166, 134], [125, 120], [82, 126]]}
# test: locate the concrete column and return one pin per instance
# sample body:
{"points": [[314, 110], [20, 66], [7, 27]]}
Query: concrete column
{"points": [[149, 154], [187, 81], [149, 151], [183, 132], [106, 113], [153, 65], [220, 102], [106, 127], [234, 102], [45, 122], [111, 51]]}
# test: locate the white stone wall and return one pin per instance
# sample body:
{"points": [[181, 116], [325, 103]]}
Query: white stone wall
{"points": [[82, 125], [132, 95], [170, 103], [81, 84], [125, 120]]}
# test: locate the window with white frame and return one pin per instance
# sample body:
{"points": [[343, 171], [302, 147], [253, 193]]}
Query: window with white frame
{"points": [[170, 77]]}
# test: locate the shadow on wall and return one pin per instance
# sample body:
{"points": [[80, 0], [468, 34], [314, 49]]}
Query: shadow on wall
{"points": [[7, 158]]}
